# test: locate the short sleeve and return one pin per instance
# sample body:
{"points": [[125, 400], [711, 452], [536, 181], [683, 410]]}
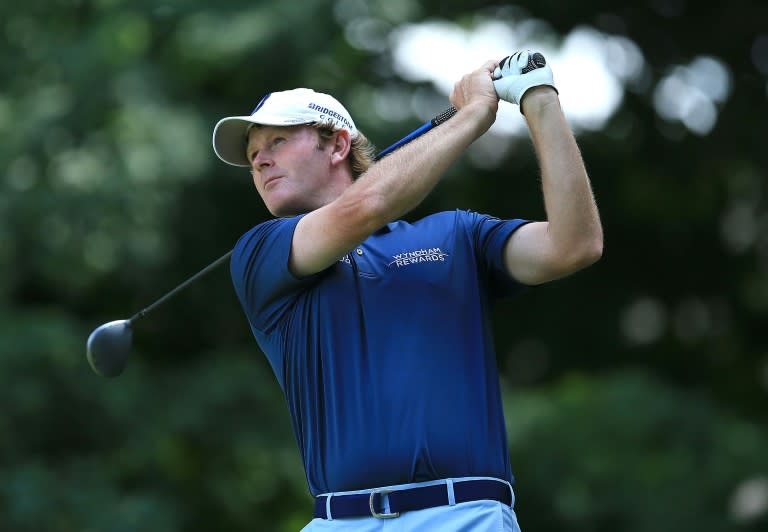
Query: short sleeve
{"points": [[489, 236], [260, 273]]}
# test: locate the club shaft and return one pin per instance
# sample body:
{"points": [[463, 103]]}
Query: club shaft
{"points": [[212, 266], [436, 121]]}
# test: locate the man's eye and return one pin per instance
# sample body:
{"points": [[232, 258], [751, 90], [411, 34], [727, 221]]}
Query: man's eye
{"points": [[278, 140]]}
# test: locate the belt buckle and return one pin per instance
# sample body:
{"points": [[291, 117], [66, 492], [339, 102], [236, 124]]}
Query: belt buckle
{"points": [[376, 514]]}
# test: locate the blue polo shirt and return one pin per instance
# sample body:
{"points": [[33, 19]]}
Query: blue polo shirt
{"points": [[386, 358]]}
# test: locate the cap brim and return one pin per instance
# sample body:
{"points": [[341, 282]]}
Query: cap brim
{"points": [[229, 141]]}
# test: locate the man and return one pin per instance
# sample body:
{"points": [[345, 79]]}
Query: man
{"points": [[377, 329]]}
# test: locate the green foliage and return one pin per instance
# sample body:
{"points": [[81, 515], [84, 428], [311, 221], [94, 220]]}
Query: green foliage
{"points": [[171, 448], [110, 195], [628, 452]]}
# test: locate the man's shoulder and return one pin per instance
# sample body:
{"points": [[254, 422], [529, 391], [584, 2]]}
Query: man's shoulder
{"points": [[267, 227], [263, 241], [442, 217], [465, 217]]}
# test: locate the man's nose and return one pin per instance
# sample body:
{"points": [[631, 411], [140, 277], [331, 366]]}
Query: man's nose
{"points": [[261, 161]]}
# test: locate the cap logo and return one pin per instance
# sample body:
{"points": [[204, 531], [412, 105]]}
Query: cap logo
{"points": [[324, 111], [261, 103]]}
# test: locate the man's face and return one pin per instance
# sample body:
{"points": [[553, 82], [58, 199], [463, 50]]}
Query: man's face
{"points": [[290, 169]]}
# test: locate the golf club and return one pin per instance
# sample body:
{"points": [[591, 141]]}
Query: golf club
{"points": [[109, 345]]}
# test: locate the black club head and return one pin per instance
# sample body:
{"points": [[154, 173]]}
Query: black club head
{"points": [[108, 348]]}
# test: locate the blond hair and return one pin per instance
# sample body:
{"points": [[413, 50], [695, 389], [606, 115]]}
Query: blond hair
{"points": [[362, 154]]}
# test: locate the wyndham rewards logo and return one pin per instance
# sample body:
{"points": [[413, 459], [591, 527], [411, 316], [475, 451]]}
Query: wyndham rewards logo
{"points": [[418, 256]]}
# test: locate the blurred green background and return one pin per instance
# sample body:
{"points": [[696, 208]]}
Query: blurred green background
{"points": [[635, 391]]}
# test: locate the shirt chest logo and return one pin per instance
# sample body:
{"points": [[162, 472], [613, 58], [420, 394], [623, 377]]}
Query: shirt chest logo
{"points": [[417, 256]]}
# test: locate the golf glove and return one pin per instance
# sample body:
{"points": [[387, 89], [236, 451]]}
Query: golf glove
{"points": [[519, 72]]}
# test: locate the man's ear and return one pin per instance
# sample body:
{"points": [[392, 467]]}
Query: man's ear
{"points": [[342, 144]]}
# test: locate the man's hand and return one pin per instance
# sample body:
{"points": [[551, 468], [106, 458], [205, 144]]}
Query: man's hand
{"points": [[518, 73], [475, 90]]}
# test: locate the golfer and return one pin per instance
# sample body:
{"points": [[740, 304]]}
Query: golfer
{"points": [[377, 329]]}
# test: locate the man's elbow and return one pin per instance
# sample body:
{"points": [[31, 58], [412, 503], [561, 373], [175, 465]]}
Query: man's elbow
{"points": [[581, 256], [363, 210], [593, 251], [589, 253]]}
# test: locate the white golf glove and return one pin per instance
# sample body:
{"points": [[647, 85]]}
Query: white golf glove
{"points": [[519, 72]]}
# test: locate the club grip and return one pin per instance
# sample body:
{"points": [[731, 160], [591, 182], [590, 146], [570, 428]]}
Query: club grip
{"points": [[426, 126], [442, 117]]}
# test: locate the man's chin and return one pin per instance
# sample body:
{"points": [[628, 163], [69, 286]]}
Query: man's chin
{"points": [[279, 205]]}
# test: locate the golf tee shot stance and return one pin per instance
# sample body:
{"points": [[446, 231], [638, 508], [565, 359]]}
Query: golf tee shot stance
{"points": [[377, 329]]}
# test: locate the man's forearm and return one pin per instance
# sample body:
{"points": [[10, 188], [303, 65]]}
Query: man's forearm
{"points": [[400, 181], [574, 223]]}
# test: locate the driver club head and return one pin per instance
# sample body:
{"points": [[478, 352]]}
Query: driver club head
{"points": [[108, 348]]}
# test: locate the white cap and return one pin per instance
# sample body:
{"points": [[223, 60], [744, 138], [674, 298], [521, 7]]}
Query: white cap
{"points": [[286, 108]]}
